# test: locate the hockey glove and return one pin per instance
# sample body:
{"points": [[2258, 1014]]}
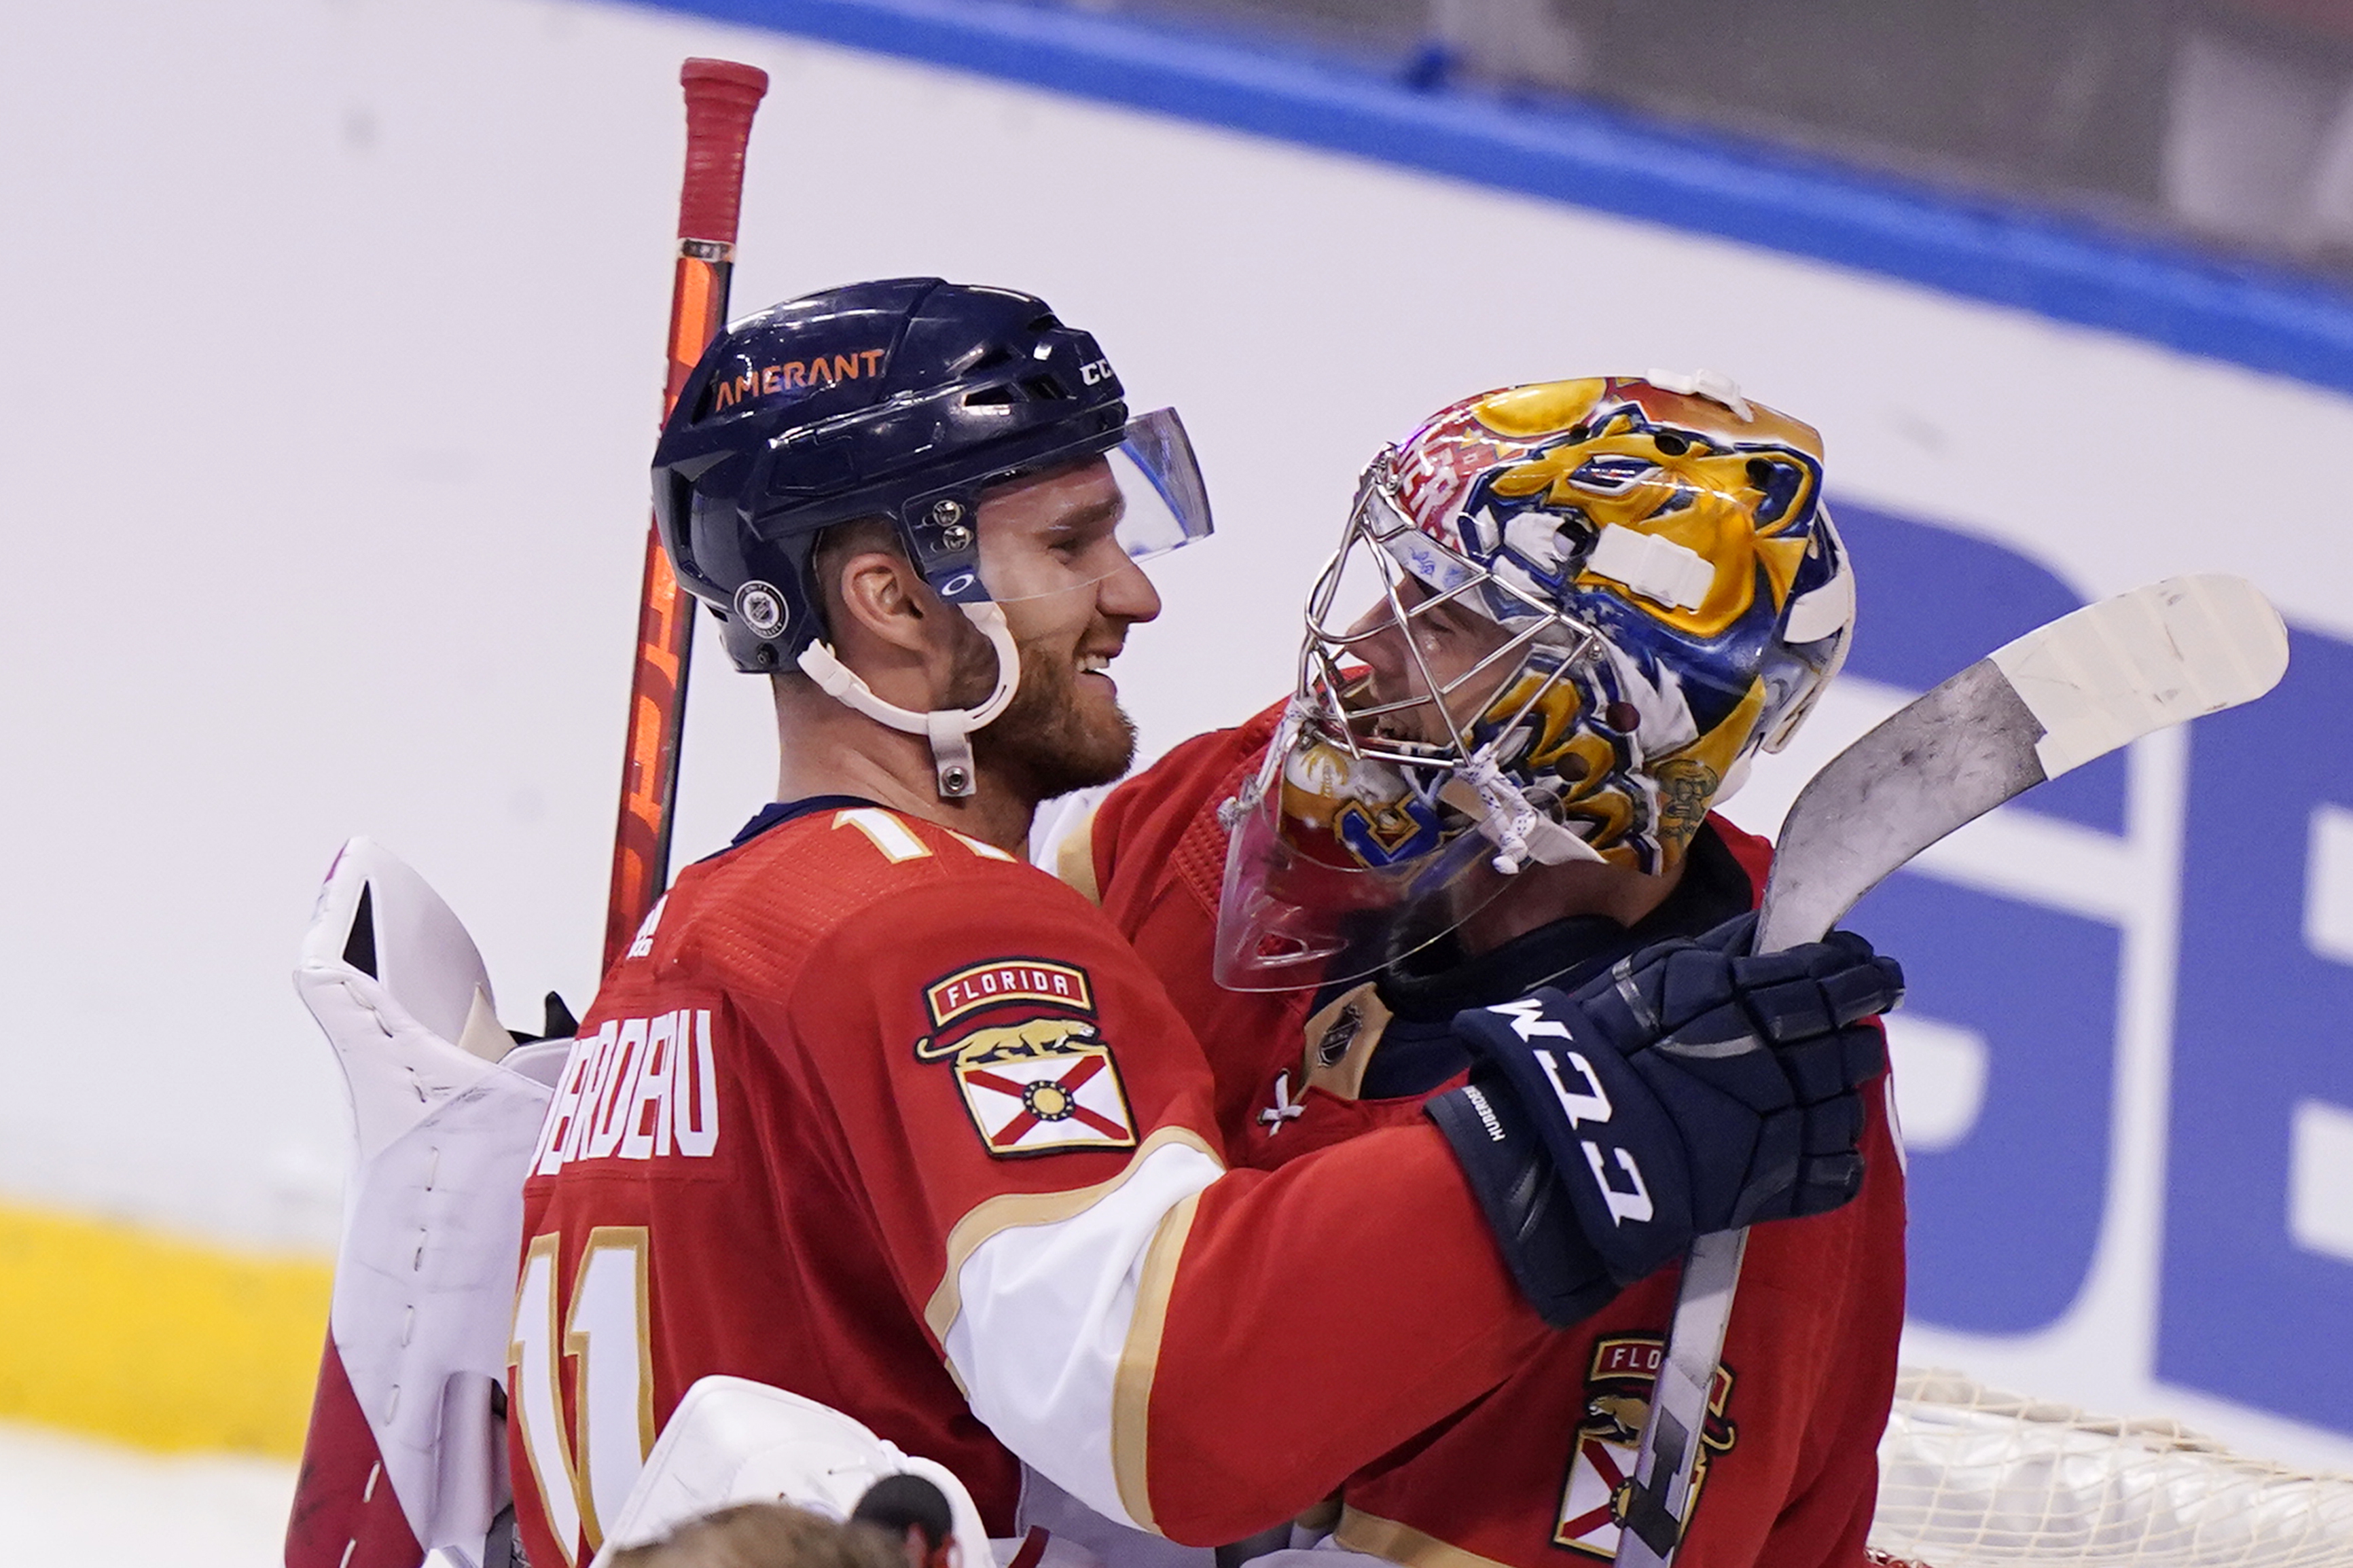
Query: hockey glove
{"points": [[1691, 1089], [1512, 1174]]}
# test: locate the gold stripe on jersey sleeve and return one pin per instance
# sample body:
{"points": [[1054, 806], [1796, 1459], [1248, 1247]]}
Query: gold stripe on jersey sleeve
{"points": [[121, 1333], [1139, 1361], [1074, 858], [1361, 1531], [1006, 1210]]}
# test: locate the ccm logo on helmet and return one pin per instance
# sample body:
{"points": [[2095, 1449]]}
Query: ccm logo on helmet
{"points": [[823, 370], [1587, 1105], [1094, 372]]}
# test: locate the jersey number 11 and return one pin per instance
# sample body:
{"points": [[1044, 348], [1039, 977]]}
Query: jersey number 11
{"points": [[583, 1476]]}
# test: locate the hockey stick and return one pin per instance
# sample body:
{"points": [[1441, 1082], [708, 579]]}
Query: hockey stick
{"points": [[2060, 696], [721, 99]]}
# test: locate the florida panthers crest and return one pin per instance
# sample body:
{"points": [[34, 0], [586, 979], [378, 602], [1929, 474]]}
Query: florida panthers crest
{"points": [[1035, 1073], [1618, 1387]]}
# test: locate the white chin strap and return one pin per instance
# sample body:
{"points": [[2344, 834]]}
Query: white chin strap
{"points": [[948, 729]]}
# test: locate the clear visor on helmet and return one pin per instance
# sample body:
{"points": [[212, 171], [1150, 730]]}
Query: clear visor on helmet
{"points": [[1069, 526], [1373, 827]]}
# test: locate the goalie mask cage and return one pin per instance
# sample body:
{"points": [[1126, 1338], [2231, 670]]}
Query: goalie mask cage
{"points": [[1970, 1476]]}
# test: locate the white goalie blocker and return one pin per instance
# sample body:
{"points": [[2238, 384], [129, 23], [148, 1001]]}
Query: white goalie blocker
{"points": [[406, 1452], [733, 1441]]}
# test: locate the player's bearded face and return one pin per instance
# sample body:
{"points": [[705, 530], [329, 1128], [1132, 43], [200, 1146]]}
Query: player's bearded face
{"points": [[1069, 593]]}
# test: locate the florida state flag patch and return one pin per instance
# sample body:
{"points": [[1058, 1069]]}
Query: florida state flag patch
{"points": [[1035, 1079]]}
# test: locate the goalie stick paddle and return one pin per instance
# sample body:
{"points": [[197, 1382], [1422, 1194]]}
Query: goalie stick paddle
{"points": [[721, 99], [2060, 696]]}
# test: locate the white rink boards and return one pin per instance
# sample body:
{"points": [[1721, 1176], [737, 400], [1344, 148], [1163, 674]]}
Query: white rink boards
{"points": [[336, 330]]}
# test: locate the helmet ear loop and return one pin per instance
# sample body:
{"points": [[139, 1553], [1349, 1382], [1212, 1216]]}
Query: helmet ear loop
{"points": [[950, 730]]}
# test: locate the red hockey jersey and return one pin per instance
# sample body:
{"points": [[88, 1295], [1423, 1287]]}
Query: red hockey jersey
{"points": [[1527, 1477], [873, 1113]]}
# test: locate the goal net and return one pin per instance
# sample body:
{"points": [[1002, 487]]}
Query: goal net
{"points": [[1970, 1476]]}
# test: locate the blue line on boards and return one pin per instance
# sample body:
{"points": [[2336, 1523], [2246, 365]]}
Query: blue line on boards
{"points": [[1557, 149]]}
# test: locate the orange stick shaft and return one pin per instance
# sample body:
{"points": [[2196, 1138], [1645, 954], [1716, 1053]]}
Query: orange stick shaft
{"points": [[720, 98]]}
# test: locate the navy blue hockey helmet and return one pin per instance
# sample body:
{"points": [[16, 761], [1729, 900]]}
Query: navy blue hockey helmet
{"points": [[904, 398]]}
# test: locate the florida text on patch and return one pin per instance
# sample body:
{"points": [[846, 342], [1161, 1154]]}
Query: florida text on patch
{"points": [[1036, 1075], [1004, 980]]}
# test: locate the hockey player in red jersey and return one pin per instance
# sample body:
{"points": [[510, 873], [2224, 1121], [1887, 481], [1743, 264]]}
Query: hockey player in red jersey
{"points": [[873, 1111], [1618, 591]]}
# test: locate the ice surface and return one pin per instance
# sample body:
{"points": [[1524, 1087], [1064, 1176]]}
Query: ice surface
{"points": [[72, 1502]]}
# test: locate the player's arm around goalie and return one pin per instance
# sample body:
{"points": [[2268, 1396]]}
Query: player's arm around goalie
{"points": [[1027, 1120]]}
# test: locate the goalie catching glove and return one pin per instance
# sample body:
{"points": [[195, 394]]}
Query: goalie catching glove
{"points": [[1693, 1087]]}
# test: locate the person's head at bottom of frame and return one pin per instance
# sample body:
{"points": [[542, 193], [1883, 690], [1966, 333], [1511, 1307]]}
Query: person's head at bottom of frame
{"points": [[1562, 620], [903, 1521], [765, 1535], [919, 507]]}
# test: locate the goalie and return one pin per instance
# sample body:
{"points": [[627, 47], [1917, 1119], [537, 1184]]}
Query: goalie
{"points": [[1562, 620]]}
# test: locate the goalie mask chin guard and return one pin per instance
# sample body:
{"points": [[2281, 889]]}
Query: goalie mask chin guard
{"points": [[1561, 619], [916, 401]]}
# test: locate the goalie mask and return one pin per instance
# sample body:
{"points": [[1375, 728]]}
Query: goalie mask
{"points": [[1561, 619]]}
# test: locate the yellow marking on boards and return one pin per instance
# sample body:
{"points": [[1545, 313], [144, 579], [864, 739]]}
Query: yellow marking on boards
{"points": [[122, 1333]]}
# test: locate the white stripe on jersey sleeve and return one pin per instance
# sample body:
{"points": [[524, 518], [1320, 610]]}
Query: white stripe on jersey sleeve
{"points": [[1043, 1314]]}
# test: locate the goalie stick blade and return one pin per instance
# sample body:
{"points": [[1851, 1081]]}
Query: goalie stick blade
{"points": [[1943, 760], [2057, 698]]}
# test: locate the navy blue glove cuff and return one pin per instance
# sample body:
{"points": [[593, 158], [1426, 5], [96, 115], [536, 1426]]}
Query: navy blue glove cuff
{"points": [[1604, 1130], [1503, 1158]]}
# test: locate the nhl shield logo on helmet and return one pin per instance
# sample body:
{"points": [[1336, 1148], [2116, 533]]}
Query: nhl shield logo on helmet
{"points": [[762, 609]]}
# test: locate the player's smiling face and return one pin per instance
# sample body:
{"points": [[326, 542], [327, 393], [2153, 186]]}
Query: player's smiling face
{"points": [[1050, 556]]}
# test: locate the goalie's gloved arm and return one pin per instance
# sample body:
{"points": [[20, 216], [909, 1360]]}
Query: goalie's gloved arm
{"points": [[1694, 1088]]}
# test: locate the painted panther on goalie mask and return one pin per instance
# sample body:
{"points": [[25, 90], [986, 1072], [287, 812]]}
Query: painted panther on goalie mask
{"points": [[1680, 533]]}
